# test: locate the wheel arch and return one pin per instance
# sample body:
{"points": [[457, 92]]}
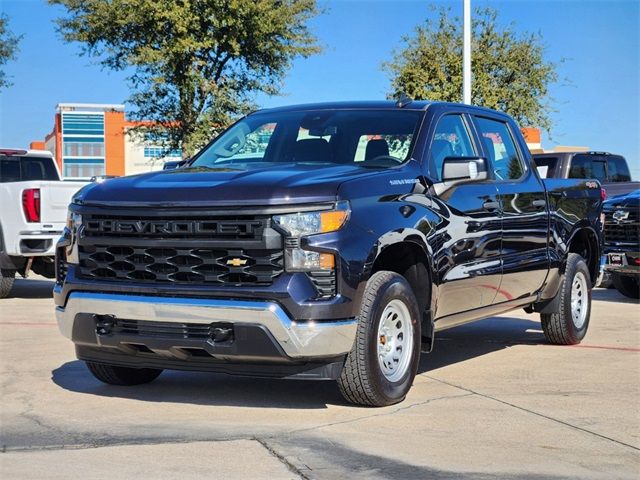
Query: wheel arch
{"points": [[411, 260], [584, 241]]}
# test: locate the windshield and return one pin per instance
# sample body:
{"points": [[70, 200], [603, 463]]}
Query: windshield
{"points": [[369, 138]]}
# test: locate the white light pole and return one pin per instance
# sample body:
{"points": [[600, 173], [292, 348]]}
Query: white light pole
{"points": [[466, 52]]}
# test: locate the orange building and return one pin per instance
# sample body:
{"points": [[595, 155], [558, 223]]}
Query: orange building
{"points": [[94, 139]]}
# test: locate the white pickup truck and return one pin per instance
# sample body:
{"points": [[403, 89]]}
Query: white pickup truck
{"points": [[33, 210]]}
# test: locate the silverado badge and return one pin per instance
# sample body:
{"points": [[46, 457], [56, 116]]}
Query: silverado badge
{"points": [[236, 262]]}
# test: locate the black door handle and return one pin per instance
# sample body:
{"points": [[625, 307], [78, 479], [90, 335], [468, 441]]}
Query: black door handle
{"points": [[539, 203], [491, 205]]}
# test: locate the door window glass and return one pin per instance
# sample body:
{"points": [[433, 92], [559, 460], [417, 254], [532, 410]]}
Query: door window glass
{"points": [[501, 149], [451, 139]]}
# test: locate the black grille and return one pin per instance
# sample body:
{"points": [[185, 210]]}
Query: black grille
{"points": [[622, 234], [624, 231], [180, 265], [325, 282]]}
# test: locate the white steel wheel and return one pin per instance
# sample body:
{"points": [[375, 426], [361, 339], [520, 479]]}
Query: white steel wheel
{"points": [[579, 300], [395, 340]]}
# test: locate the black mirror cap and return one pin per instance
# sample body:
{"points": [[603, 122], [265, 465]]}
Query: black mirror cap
{"points": [[471, 169]]}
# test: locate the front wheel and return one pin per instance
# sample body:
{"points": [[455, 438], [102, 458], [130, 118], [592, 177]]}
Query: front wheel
{"points": [[122, 375], [383, 361], [626, 285], [7, 278], [569, 324]]}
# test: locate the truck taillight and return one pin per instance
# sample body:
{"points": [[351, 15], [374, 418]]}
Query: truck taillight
{"points": [[31, 204]]}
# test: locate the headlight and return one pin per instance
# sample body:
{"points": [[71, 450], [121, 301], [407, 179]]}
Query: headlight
{"points": [[309, 223]]}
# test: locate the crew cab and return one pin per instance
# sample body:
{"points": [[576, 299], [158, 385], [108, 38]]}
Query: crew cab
{"points": [[34, 208], [612, 171], [325, 241]]}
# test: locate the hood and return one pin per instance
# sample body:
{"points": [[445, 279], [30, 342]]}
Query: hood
{"points": [[273, 185], [631, 200]]}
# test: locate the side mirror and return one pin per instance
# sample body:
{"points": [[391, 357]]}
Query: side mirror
{"points": [[464, 170], [172, 165]]}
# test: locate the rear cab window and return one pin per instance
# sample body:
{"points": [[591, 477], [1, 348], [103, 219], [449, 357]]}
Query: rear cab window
{"points": [[15, 168]]}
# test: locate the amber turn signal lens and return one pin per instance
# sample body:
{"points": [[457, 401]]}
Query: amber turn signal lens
{"points": [[333, 220], [327, 261]]}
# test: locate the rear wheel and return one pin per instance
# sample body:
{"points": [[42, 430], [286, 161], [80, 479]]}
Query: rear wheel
{"points": [[626, 285], [569, 324], [122, 375], [383, 362], [7, 278]]}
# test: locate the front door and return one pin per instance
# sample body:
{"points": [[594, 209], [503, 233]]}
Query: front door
{"points": [[467, 247]]}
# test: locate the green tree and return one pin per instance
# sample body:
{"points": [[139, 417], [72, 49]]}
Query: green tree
{"points": [[8, 49], [510, 72], [196, 64]]}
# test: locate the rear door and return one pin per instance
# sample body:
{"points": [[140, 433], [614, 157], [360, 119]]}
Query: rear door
{"points": [[525, 221], [467, 250]]}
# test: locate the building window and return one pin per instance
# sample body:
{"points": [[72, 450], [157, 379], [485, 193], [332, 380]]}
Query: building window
{"points": [[83, 167], [82, 124], [83, 149], [160, 152]]}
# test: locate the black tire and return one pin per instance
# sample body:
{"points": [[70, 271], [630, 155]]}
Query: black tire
{"points": [[559, 327], [7, 278], [122, 375], [362, 381], [627, 285]]}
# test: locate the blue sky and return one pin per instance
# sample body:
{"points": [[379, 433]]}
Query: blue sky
{"points": [[600, 41]]}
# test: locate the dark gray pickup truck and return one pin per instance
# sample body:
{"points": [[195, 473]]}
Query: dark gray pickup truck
{"points": [[612, 171]]}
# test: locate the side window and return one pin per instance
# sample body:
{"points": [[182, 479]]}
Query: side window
{"points": [[618, 170], [451, 139], [501, 149]]}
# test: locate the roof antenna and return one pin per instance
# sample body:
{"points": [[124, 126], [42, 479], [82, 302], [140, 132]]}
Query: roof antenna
{"points": [[403, 100]]}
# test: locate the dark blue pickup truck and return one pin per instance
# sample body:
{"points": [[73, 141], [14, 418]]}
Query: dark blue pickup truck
{"points": [[327, 241]]}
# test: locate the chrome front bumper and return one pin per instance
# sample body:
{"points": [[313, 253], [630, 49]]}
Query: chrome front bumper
{"points": [[297, 339]]}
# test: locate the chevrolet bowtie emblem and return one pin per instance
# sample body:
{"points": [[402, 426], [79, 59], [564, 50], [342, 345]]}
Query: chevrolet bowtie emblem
{"points": [[236, 262]]}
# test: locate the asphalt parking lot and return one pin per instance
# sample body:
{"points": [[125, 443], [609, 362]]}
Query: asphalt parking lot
{"points": [[493, 401]]}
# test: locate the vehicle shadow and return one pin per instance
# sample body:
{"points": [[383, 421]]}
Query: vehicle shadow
{"points": [[473, 340], [611, 295], [206, 389], [32, 288], [452, 346]]}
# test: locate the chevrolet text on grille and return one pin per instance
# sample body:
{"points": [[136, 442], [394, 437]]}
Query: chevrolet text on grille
{"points": [[168, 227]]}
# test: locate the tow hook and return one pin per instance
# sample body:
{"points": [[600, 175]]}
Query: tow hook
{"points": [[104, 324], [221, 334]]}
